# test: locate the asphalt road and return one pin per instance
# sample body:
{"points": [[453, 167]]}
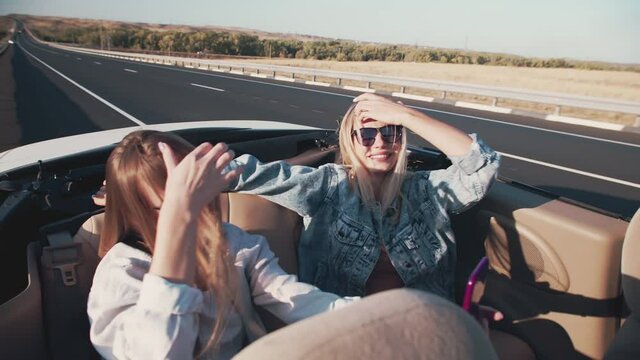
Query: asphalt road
{"points": [[594, 166]]}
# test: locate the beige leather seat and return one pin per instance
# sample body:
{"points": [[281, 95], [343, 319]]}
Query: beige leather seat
{"points": [[626, 344], [89, 232], [256, 215], [280, 226]]}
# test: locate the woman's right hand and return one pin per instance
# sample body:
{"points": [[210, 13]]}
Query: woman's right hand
{"points": [[191, 184], [197, 179]]}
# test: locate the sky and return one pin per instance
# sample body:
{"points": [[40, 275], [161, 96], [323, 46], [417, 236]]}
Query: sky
{"points": [[603, 30]]}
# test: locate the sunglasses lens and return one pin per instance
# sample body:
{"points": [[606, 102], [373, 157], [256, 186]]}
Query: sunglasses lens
{"points": [[390, 134], [368, 136]]}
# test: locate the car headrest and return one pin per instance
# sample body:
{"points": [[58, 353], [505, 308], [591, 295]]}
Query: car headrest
{"points": [[90, 231], [631, 265], [252, 213], [395, 324]]}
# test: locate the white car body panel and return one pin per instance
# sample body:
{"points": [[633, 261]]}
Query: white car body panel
{"points": [[56, 148]]}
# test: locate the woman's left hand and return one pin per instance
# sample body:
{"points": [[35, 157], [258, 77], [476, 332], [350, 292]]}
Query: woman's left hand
{"points": [[487, 315], [371, 106], [445, 137]]}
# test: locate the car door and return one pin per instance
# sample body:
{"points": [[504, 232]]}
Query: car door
{"points": [[555, 269]]}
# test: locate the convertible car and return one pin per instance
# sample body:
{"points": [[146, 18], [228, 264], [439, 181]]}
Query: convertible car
{"points": [[557, 269]]}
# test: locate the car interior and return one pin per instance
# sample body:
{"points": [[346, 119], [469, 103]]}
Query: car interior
{"points": [[560, 272]]}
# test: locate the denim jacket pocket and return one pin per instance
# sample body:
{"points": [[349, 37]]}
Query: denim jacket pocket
{"points": [[347, 231], [416, 251], [349, 244]]}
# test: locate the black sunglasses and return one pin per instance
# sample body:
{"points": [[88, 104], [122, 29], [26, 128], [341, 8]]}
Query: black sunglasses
{"points": [[390, 134]]}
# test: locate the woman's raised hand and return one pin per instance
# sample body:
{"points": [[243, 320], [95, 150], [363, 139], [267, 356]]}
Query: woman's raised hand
{"points": [[371, 106], [445, 137], [191, 184], [198, 178]]}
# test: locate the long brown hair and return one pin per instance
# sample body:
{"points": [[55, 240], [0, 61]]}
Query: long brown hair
{"points": [[134, 166], [359, 174]]}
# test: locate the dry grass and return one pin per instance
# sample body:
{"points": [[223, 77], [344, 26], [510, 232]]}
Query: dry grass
{"points": [[618, 85], [604, 84]]}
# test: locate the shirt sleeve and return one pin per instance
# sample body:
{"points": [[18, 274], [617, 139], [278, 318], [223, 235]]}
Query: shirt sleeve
{"points": [[468, 179], [275, 290], [302, 189], [136, 315]]}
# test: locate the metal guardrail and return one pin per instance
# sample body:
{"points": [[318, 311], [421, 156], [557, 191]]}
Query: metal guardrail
{"points": [[556, 99]]}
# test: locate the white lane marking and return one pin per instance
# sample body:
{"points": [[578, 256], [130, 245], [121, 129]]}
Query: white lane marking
{"points": [[592, 123], [79, 59], [284, 78], [483, 107], [413, 97], [317, 111], [97, 63], [207, 87], [575, 171], [117, 109], [358, 88], [317, 83], [246, 80], [131, 71], [50, 51], [294, 106]]}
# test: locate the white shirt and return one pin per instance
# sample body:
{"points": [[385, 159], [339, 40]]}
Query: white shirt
{"points": [[137, 315]]}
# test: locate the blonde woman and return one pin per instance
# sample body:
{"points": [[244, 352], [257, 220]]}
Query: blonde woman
{"points": [[369, 224], [174, 281]]}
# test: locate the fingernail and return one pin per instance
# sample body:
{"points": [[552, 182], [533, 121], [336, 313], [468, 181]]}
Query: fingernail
{"points": [[161, 146]]}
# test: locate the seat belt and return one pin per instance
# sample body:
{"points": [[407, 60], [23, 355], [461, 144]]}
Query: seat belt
{"points": [[65, 290]]}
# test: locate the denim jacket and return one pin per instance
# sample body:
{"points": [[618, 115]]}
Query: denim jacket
{"points": [[342, 237]]}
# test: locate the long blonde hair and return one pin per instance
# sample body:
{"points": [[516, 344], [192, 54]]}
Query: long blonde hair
{"points": [[360, 176], [135, 165]]}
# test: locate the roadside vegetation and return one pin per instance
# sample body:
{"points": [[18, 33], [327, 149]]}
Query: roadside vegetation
{"points": [[5, 25], [190, 40]]}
